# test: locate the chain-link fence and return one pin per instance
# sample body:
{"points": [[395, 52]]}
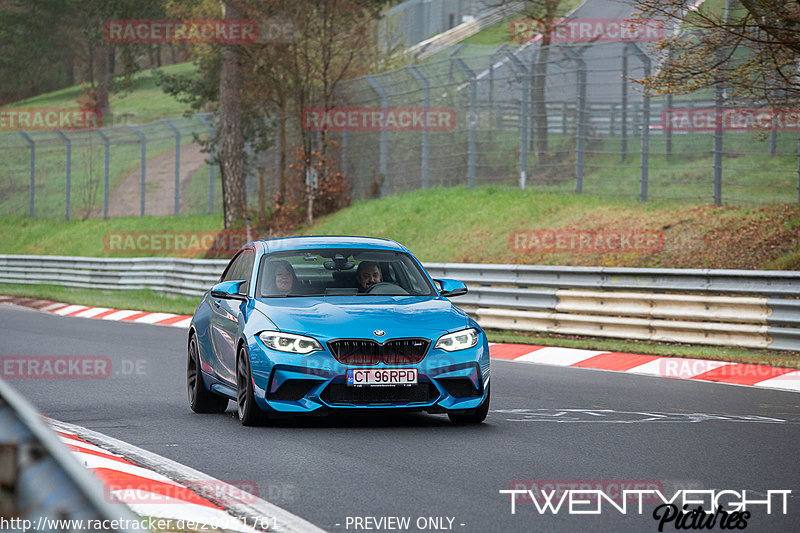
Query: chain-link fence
{"points": [[158, 168], [572, 121]]}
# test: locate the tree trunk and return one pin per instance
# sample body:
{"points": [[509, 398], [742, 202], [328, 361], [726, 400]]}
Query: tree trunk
{"points": [[103, 84], [231, 149], [282, 155]]}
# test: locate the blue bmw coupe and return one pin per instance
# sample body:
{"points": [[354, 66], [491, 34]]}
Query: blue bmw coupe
{"points": [[310, 325]]}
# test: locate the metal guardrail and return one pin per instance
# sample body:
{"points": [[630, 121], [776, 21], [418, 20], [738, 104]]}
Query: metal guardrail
{"points": [[41, 482], [759, 309]]}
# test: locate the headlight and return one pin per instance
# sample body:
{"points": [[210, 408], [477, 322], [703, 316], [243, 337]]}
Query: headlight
{"points": [[289, 342], [460, 340]]}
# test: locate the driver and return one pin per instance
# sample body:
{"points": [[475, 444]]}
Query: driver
{"points": [[367, 274]]}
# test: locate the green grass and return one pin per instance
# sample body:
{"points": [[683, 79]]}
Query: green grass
{"points": [[86, 237], [146, 101], [138, 300], [498, 33], [733, 354], [458, 224]]}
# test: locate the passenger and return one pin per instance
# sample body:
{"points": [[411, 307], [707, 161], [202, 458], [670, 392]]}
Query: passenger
{"points": [[284, 280], [368, 274]]}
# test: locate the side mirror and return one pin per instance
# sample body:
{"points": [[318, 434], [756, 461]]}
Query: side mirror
{"points": [[228, 290], [451, 287]]}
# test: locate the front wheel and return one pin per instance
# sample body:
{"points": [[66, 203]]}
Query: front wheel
{"points": [[472, 416], [200, 399], [249, 413]]}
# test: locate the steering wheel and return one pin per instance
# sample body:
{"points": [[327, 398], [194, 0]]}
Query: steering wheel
{"points": [[387, 288]]}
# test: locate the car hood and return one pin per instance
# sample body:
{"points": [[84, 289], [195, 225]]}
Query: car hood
{"points": [[358, 316]]}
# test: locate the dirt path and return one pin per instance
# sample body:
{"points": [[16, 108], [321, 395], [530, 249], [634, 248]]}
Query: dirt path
{"points": [[159, 184]]}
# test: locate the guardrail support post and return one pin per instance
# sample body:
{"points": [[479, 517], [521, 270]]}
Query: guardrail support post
{"points": [[32, 144], [205, 121], [473, 118], [106, 159], [177, 163], [142, 165], [383, 163], [426, 102], [69, 171]]}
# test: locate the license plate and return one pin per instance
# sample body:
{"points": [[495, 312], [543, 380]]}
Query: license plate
{"points": [[387, 377]]}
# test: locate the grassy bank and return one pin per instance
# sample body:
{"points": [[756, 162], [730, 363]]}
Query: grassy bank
{"points": [[479, 226]]}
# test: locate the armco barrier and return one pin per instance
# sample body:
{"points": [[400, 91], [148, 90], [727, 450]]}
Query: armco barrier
{"points": [[752, 308], [40, 480]]}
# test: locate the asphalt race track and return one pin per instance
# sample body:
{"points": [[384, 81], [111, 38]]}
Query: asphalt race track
{"points": [[546, 424]]}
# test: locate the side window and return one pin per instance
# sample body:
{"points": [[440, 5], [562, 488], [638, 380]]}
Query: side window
{"points": [[230, 270], [244, 269]]}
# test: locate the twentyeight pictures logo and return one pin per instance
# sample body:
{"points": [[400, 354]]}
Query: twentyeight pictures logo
{"points": [[49, 118]]}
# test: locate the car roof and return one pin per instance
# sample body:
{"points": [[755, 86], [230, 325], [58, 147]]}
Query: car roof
{"points": [[329, 241]]}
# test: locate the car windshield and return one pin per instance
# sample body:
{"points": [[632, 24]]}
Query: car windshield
{"points": [[340, 272]]}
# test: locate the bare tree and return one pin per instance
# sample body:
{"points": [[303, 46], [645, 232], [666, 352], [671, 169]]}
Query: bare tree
{"points": [[752, 48], [231, 138]]}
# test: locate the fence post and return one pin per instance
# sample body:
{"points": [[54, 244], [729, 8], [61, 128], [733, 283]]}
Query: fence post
{"points": [[525, 90], [177, 163], [624, 124], [383, 164], [645, 157], [69, 170], [773, 136], [798, 169], [426, 102], [142, 164], [205, 121], [491, 81], [106, 157], [32, 144], [473, 119], [580, 136], [611, 113]]}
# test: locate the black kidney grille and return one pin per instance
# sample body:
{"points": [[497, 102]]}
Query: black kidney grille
{"points": [[369, 352]]}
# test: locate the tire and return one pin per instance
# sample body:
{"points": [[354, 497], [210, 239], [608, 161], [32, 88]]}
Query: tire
{"points": [[472, 416], [200, 399], [249, 413]]}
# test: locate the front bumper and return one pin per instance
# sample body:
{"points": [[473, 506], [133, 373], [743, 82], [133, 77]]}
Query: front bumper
{"points": [[300, 384]]}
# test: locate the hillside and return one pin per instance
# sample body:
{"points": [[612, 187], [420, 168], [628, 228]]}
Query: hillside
{"points": [[479, 226]]}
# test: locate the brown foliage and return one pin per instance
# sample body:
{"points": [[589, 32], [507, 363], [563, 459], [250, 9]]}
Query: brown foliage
{"points": [[333, 190]]}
